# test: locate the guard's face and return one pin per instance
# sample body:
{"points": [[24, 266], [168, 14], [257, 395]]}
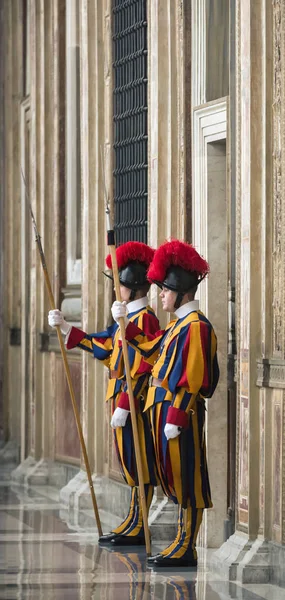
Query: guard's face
{"points": [[125, 293], [168, 298]]}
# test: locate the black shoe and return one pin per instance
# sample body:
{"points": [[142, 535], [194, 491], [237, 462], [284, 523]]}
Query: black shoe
{"points": [[107, 538], [151, 559], [128, 540], [165, 561]]}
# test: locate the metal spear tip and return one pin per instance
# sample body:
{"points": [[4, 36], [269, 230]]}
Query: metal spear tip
{"points": [[23, 176], [30, 206]]}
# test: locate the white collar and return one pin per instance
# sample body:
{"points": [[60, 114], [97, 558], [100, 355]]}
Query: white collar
{"points": [[137, 304], [187, 308]]}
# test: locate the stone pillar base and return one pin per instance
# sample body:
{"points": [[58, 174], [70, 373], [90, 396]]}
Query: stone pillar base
{"points": [[9, 453], [9, 458], [243, 560], [113, 499], [42, 472], [277, 563], [163, 519], [23, 470], [31, 472]]}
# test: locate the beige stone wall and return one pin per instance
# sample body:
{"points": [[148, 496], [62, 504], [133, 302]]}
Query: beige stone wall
{"points": [[259, 272], [36, 137], [11, 215], [259, 279], [191, 195]]}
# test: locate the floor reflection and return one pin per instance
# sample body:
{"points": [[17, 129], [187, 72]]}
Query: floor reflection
{"points": [[46, 557]]}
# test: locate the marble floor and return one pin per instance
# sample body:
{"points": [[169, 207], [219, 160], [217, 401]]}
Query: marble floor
{"points": [[45, 556]]}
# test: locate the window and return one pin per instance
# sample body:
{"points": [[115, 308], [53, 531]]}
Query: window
{"points": [[130, 119]]}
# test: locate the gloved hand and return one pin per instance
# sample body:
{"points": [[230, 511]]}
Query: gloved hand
{"points": [[119, 417], [55, 317], [171, 431], [119, 309]]}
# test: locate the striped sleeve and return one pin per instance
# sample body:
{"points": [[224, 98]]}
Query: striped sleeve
{"points": [[149, 325], [99, 345], [147, 345]]}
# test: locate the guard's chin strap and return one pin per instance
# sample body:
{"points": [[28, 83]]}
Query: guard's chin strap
{"points": [[178, 300], [132, 295]]}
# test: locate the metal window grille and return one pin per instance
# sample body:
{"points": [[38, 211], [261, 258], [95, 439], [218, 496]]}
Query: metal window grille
{"points": [[130, 119]]}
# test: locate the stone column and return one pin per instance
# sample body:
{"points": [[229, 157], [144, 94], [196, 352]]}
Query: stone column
{"points": [[94, 28], [166, 114], [245, 555], [11, 80], [210, 207], [168, 125], [3, 418]]}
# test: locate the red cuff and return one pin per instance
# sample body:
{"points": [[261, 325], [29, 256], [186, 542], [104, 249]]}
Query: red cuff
{"points": [[124, 401], [75, 337], [175, 416]]}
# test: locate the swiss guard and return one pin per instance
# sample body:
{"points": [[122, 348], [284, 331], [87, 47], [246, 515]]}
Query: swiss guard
{"points": [[133, 260], [184, 372]]}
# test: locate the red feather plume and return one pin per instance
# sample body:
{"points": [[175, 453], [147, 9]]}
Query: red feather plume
{"points": [[176, 253], [131, 251]]}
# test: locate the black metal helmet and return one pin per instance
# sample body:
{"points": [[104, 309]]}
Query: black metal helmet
{"points": [[177, 266], [179, 280], [133, 259], [133, 275]]}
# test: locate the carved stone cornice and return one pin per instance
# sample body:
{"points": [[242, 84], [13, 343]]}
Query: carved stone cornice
{"points": [[48, 342], [271, 373]]}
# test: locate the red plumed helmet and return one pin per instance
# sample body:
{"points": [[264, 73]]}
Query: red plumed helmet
{"points": [[133, 260], [131, 252], [178, 266]]}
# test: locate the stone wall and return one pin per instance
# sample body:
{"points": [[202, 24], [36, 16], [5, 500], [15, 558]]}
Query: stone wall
{"points": [[215, 177]]}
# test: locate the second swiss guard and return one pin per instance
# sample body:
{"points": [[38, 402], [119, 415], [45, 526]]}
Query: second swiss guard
{"points": [[185, 372], [133, 260]]}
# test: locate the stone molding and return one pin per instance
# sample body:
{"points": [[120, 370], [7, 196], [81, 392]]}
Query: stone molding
{"points": [[209, 125], [271, 373], [72, 303], [48, 342], [241, 559]]}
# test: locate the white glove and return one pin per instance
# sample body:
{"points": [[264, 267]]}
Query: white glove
{"points": [[55, 317], [119, 417], [119, 309], [171, 431]]}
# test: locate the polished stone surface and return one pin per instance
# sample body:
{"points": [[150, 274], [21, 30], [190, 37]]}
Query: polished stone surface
{"points": [[45, 557]]}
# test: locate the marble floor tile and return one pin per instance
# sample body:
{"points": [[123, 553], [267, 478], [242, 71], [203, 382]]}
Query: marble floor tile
{"points": [[268, 592], [44, 557], [10, 524]]}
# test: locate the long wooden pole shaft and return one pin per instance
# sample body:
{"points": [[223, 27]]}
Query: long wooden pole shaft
{"points": [[132, 404], [65, 363], [71, 390]]}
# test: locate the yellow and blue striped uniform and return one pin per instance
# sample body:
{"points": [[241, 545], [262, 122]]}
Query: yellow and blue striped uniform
{"points": [[106, 347], [184, 359]]}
